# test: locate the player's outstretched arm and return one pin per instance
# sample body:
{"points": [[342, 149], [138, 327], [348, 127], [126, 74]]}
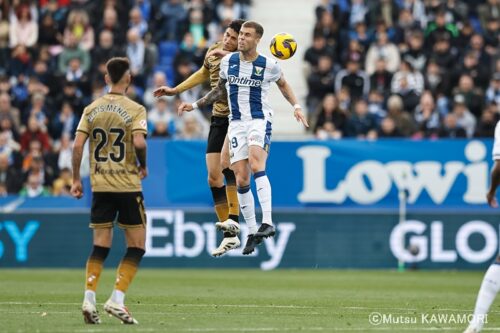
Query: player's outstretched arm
{"points": [[141, 147], [219, 92], [287, 92], [193, 80], [76, 160], [494, 182]]}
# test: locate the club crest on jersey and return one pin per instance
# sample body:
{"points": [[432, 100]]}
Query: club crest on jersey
{"points": [[258, 70]]}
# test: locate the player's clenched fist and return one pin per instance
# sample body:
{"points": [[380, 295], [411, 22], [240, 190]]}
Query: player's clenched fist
{"points": [[184, 107], [77, 189], [164, 91]]}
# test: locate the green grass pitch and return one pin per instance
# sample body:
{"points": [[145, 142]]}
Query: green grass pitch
{"points": [[168, 300]]}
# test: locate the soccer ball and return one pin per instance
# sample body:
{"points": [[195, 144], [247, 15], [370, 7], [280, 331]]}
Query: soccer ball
{"points": [[283, 46]]}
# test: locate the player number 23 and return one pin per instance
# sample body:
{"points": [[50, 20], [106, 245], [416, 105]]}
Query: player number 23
{"points": [[102, 136]]}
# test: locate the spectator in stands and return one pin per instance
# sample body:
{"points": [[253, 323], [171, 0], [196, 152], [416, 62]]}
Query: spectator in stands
{"points": [[64, 152], [73, 51], [361, 124], [49, 34], [172, 14], [354, 52], [159, 80], [319, 48], [137, 22], [163, 114], [358, 12], [473, 99], [386, 11], [41, 170], [381, 79], [33, 132], [409, 84], [110, 22], [450, 128], [361, 35], [190, 52], [417, 10], [376, 105], [79, 29], [105, 50], [34, 188], [488, 11], [355, 79], [9, 147], [476, 47], [23, 28], [8, 111], [427, 117], [72, 95], [443, 55], [415, 55], [382, 49], [9, 176], [4, 38], [492, 94], [464, 117], [64, 122], [440, 29], [21, 61], [328, 28], [141, 62], [388, 129], [191, 128], [402, 120], [435, 79], [38, 111], [478, 72], [320, 83], [492, 37], [485, 127], [228, 10], [330, 121], [62, 185]]}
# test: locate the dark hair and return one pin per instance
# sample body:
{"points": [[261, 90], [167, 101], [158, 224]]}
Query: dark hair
{"points": [[116, 68], [236, 25], [252, 24]]}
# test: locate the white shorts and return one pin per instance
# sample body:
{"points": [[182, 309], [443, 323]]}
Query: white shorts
{"points": [[242, 134]]}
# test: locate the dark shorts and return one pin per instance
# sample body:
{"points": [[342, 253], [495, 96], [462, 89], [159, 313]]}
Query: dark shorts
{"points": [[217, 134], [128, 206]]}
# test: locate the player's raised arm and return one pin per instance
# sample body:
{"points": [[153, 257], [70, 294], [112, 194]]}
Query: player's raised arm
{"points": [[198, 77], [287, 92], [219, 92], [76, 160]]}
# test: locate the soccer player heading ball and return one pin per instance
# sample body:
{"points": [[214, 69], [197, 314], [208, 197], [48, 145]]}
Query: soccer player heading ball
{"points": [[245, 78], [217, 154]]}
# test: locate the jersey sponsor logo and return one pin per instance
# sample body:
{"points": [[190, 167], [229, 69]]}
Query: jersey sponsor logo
{"points": [[144, 124], [244, 81]]}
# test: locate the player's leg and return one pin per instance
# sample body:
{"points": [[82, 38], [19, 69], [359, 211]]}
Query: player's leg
{"points": [[258, 151], [103, 213], [231, 189], [487, 293], [132, 218], [217, 187], [230, 227]]}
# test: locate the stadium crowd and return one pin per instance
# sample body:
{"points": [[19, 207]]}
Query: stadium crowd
{"points": [[52, 63], [404, 68]]}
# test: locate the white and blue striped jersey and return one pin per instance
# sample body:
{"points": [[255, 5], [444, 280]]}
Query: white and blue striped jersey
{"points": [[248, 85]]}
